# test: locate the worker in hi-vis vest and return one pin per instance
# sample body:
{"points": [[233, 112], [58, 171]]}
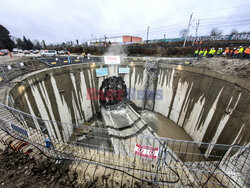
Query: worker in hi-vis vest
{"points": [[219, 52], [196, 52], [227, 51], [247, 52], [200, 53], [205, 53], [211, 52], [236, 53], [241, 51]]}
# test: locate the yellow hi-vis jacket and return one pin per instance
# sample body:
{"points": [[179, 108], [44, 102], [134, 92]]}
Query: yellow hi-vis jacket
{"points": [[219, 51], [205, 53], [212, 52], [241, 50]]}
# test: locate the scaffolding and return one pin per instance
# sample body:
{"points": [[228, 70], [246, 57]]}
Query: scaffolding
{"points": [[152, 70]]}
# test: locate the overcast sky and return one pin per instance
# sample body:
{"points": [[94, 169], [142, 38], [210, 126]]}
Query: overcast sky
{"points": [[64, 20]]}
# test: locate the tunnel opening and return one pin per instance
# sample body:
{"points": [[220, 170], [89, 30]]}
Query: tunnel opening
{"points": [[113, 93]]}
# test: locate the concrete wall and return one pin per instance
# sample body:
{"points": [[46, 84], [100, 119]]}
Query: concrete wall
{"points": [[208, 108], [61, 95]]}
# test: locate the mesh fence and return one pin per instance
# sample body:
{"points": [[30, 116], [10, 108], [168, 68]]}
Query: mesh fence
{"points": [[9, 72], [161, 161], [139, 155]]}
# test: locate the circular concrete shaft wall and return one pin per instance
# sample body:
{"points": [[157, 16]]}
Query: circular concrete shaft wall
{"points": [[206, 106]]}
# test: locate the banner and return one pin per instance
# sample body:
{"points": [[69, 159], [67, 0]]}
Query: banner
{"points": [[146, 151], [112, 60], [20, 130], [102, 72], [124, 70]]}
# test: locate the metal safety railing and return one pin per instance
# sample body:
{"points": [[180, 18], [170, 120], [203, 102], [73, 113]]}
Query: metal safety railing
{"points": [[68, 60], [150, 159], [147, 158]]}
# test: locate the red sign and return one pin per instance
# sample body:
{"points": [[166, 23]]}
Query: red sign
{"points": [[112, 59], [146, 151]]}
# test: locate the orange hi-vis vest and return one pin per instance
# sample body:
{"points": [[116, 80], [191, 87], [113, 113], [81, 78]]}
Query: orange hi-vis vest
{"points": [[227, 51], [247, 51], [236, 52]]}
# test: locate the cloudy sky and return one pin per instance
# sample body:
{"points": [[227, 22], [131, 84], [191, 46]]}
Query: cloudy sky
{"points": [[63, 20]]}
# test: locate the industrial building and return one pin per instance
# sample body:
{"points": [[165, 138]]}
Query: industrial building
{"points": [[125, 39]]}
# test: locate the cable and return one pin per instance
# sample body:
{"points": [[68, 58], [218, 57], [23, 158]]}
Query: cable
{"points": [[208, 23], [105, 166]]}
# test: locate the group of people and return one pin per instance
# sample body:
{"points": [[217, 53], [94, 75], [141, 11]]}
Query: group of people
{"points": [[233, 53]]}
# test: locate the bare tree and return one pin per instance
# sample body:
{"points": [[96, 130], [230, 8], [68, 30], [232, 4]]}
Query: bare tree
{"points": [[183, 33], [215, 32], [234, 31]]}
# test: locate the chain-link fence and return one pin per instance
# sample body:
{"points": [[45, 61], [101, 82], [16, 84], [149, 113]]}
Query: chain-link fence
{"points": [[10, 71], [64, 60], [151, 159]]}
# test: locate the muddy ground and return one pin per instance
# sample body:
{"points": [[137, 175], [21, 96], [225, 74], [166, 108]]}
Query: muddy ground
{"points": [[166, 128], [7, 60], [236, 67], [18, 170]]}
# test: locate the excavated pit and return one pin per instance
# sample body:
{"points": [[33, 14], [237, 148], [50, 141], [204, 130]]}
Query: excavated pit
{"points": [[192, 104]]}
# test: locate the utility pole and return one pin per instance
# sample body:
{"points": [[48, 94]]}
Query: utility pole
{"points": [[105, 38], [196, 31], [184, 44], [147, 33], [164, 36]]}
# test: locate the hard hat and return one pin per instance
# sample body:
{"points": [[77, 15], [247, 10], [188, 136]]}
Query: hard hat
{"points": [[234, 48], [240, 46], [238, 49]]}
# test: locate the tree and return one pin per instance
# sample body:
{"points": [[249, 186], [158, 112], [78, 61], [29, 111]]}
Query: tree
{"points": [[215, 32], [24, 44], [25, 41], [183, 33], [234, 31], [44, 45], [5, 40], [19, 43], [37, 45], [30, 45]]}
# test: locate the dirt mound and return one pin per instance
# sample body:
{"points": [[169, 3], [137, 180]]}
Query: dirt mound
{"points": [[18, 170], [236, 67]]}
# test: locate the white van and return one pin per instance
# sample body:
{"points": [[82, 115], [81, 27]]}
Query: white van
{"points": [[49, 53]]}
